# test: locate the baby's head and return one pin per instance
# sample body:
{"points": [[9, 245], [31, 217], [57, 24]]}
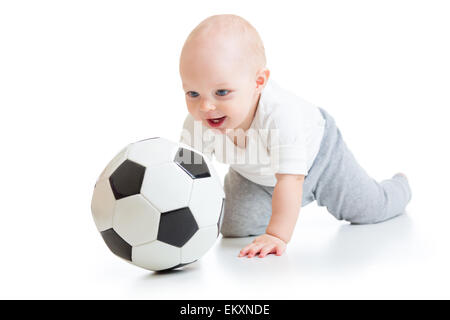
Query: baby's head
{"points": [[223, 71]]}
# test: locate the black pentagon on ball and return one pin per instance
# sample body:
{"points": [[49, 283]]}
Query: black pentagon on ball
{"points": [[116, 244], [192, 163], [127, 179], [176, 227]]}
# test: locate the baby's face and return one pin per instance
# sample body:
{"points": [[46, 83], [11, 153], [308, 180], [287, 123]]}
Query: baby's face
{"points": [[220, 88]]}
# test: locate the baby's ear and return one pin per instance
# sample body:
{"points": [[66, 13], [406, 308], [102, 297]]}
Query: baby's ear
{"points": [[262, 77]]}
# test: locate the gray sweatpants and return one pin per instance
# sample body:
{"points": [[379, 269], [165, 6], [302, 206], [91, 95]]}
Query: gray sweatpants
{"points": [[335, 180]]}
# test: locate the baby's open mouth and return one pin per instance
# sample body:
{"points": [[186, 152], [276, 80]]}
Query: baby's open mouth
{"points": [[216, 122]]}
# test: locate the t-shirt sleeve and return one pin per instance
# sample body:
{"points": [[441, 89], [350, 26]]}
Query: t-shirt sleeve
{"points": [[288, 141], [187, 132]]}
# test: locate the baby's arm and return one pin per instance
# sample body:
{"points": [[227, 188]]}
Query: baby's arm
{"points": [[286, 204]]}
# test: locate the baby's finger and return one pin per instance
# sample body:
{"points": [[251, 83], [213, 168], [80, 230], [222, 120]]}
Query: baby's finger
{"points": [[266, 250], [254, 250], [245, 250], [279, 250]]}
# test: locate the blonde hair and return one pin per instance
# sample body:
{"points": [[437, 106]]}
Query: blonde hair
{"points": [[235, 27]]}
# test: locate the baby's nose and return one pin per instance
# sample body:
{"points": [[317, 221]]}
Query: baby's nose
{"points": [[205, 105]]}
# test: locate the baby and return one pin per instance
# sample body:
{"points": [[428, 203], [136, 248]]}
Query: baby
{"points": [[289, 152]]}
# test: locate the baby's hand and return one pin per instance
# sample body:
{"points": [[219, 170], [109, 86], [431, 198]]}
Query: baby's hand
{"points": [[264, 244]]}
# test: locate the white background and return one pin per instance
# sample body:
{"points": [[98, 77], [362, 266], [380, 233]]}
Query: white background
{"points": [[81, 79]]}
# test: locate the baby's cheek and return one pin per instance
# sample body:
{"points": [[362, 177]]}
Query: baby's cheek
{"points": [[194, 114], [234, 114]]}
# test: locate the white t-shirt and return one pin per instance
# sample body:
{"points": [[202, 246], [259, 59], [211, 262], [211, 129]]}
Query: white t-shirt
{"points": [[284, 137]]}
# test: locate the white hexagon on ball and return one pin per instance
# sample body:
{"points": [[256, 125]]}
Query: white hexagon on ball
{"points": [[102, 205], [167, 187], [163, 151], [199, 244], [156, 256], [136, 220], [206, 201]]}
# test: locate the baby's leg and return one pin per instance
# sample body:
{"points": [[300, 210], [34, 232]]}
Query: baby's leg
{"points": [[248, 206], [348, 192]]}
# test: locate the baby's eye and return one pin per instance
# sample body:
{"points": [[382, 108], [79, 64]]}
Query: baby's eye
{"points": [[221, 92], [192, 94]]}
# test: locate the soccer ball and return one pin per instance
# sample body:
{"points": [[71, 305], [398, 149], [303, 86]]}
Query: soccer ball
{"points": [[158, 204]]}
